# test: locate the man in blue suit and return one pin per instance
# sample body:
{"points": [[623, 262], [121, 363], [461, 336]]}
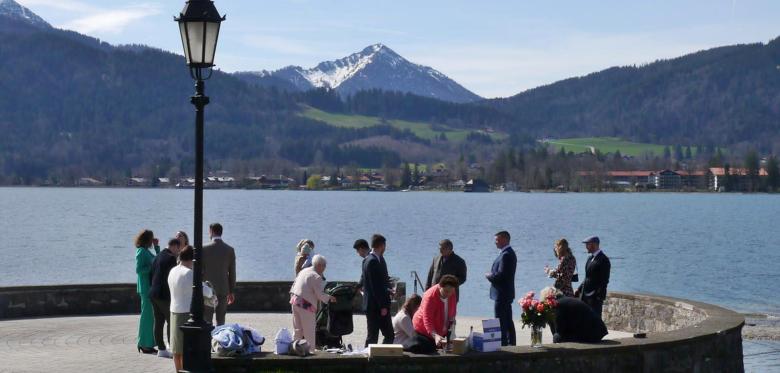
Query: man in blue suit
{"points": [[502, 287]]}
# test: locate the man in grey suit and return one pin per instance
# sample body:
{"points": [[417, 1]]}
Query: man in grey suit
{"points": [[219, 268], [446, 263]]}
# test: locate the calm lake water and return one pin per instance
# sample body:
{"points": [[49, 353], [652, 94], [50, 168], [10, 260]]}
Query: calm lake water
{"points": [[716, 248]]}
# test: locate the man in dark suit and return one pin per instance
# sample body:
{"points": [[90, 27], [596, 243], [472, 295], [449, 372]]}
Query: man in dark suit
{"points": [[574, 320], [219, 268], [376, 293], [160, 294], [446, 263], [502, 287], [362, 250], [593, 290]]}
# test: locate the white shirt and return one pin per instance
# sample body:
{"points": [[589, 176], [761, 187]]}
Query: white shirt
{"points": [[446, 312], [180, 284], [403, 327], [596, 253]]}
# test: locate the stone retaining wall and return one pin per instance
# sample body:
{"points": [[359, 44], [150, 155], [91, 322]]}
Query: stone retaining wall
{"points": [[682, 335], [78, 300], [644, 313]]}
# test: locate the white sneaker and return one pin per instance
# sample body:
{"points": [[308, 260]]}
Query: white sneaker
{"points": [[164, 353]]}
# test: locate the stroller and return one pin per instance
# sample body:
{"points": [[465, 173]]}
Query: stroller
{"points": [[334, 320]]}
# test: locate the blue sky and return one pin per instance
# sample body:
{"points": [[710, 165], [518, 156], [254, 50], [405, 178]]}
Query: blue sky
{"points": [[494, 48]]}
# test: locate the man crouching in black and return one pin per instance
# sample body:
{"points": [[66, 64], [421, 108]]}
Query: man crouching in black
{"points": [[574, 320]]}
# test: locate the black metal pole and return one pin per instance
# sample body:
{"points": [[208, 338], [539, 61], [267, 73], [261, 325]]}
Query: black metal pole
{"points": [[197, 332]]}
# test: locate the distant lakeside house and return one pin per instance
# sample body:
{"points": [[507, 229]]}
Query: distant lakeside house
{"points": [[477, 186], [713, 179], [268, 182], [737, 180], [438, 177]]}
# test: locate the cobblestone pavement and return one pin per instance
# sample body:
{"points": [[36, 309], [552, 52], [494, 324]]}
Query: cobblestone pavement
{"points": [[107, 343]]}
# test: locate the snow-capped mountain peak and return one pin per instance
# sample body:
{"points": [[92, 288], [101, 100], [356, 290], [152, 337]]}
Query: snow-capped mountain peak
{"points": [[375, 67], [331, 74], [12, 9]]}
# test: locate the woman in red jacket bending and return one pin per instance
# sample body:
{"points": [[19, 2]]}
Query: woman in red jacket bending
{"points": [[435, 316]]}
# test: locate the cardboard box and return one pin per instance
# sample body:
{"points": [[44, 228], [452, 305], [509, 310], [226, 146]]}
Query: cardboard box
{"points": [[481, 344], [491, 326], [385, 350], [460, 346], [490, 338]]}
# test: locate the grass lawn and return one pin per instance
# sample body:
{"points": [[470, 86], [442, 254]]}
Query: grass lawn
{"points": [[420, 129], [608, 145]]}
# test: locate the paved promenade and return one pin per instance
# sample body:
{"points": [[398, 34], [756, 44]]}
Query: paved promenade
{"points": [[107, 343]]}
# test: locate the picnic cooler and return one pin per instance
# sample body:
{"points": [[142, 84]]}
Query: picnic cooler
{"points": [[334, 320]]}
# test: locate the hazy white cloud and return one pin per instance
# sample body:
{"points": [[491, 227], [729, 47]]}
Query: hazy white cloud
{"points": [[112, 20], [66, 5], [88, 18]]}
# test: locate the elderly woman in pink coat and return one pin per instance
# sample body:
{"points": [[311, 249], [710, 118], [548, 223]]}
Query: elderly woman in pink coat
{"points": [[306, 293]]}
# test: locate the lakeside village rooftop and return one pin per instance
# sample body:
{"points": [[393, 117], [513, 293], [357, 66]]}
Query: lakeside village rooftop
{"points": [[712, 179]]}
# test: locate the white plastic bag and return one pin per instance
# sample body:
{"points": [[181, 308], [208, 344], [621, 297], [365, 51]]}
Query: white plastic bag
{"points": [[283, 340], [300, 347], [209, 296]]}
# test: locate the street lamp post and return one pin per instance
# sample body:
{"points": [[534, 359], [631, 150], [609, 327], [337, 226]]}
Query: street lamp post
{"points": [[199, 24]]}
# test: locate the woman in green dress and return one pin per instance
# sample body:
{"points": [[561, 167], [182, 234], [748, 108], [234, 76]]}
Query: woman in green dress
{"points": [[146, 248]]}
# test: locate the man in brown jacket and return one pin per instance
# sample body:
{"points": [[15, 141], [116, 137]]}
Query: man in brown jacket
{"points": [[219, 268]]}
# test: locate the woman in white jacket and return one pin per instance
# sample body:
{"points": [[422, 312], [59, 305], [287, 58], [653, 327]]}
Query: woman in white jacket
{"points": [[402, 321], [306, 293]]}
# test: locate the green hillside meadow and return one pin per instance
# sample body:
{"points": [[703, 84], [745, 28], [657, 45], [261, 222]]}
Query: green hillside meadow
{"points": [[420, 129], [607, 145]]}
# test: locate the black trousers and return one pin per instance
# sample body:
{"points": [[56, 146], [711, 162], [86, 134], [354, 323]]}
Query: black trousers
{"points": [[595, 304], [376, 322], [503, 312], [162, 320], [421, 344]]}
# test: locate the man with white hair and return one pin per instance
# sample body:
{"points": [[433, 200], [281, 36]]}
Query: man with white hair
{"points": [[306, 293], [574, 319]]}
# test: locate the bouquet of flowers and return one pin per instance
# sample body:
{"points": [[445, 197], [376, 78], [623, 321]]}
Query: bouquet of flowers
{"points": [[537, 313]]}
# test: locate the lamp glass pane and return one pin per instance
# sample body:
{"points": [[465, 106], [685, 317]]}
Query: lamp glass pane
{"points": [[195, 33], [212, 33], [183, 31]]}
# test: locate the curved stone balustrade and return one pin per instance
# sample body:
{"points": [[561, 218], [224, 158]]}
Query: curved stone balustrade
{"points": [[682, 335]]}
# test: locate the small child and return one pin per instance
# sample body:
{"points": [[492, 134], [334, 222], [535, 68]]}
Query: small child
{"points": [[303, 258]]}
